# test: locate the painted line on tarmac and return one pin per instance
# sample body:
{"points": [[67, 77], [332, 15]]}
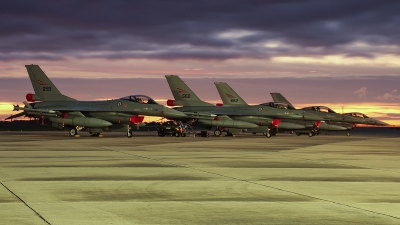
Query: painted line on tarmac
{"points": [[41, 217], [253, 182]]}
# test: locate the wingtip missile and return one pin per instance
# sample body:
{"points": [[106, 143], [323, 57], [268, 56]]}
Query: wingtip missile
{"points": [[16, 107]]}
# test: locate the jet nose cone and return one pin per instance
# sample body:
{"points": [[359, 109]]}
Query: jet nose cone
{"points": [[312, 117], [378, 122], [172, 113]]}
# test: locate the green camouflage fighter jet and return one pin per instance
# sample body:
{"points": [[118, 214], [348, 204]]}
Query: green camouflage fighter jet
{"points": [[93, 116], [230, 97], [209, 115], [348, 120]]}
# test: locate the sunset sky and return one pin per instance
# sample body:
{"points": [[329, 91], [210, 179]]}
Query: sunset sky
{"points": [[342, 54]]}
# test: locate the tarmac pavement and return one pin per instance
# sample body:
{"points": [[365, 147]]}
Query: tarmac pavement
{"points": [[49, 178]]}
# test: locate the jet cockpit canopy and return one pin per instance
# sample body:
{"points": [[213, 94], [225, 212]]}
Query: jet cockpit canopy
{"points": [[278, 105], [356, 114], [143, 99], [320, 109]]}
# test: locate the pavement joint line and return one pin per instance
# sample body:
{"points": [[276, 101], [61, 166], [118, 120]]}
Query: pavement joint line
{"points": [[41, 217], [255, 183]]}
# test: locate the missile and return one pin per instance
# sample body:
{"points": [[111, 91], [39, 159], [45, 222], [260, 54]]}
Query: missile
{"points": [[17, 108]]}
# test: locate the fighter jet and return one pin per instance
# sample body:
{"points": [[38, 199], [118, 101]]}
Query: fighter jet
{"points": [[93, 116], [333, 120], [242, 117], [229, 98], [365, 119]]}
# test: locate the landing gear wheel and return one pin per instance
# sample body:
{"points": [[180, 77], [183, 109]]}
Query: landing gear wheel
{"points": [[310, 134], [129, 134], [183, 135], [177, 134], [348, 134], [217, 133], [73, 132], [298, 134], [268, 135], [161, 134]]}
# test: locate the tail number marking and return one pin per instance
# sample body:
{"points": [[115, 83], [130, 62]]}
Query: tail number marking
{"points": [[234, 100], [46, 88], [185, 95]]}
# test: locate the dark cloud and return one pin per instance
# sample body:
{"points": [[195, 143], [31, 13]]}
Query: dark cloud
{"points": [[217, 29]]}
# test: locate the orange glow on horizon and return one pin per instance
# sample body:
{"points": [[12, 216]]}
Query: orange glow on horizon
{"points": [[371, 109]]}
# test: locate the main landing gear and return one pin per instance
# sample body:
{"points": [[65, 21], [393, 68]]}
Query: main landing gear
{"points": [[218, 132], [74, 131], [129, 131]]}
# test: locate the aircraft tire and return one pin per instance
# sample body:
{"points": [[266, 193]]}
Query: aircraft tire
{"points": [[129, 134], [73, 132], [268, 135], [217, 132]]}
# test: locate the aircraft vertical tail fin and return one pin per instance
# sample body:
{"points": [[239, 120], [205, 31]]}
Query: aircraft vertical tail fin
{"points": [[278, 97], [228, 95], [45, 90], [182, 93]]}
